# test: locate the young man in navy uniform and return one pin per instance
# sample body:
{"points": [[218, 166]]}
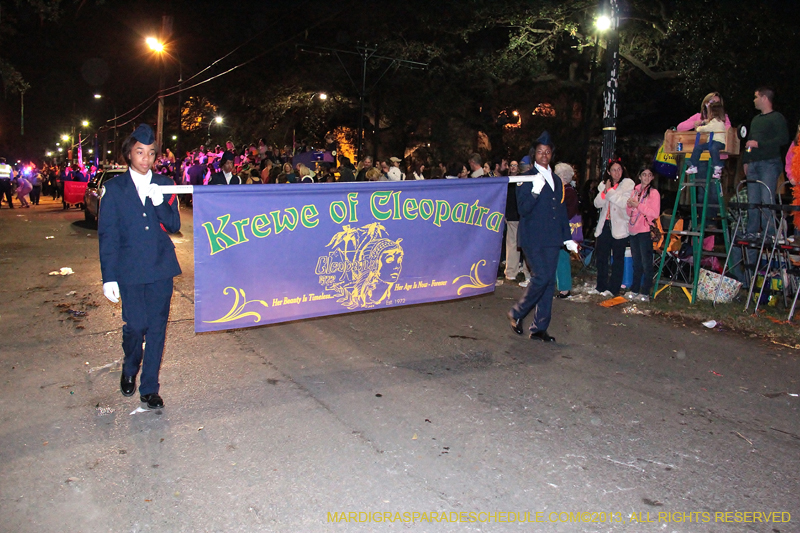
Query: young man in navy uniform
{"points": [[138, 261], [225, 175], [543, 230]]}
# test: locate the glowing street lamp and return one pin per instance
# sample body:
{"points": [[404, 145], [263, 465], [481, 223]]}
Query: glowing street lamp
{"points": [[158, 47], [65, 137], [610, 23], [85, 123], [154, 44], [98, 96], [323, 96], [602, 23], [217, 120]]}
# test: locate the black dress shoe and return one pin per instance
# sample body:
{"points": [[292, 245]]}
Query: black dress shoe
{"points": [[563, 295], [153, 400], [127, 384], [516, 323], [542, 336]]}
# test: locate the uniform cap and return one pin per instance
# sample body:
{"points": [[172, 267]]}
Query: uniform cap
{"points": [[545, 139], [144, 134]]}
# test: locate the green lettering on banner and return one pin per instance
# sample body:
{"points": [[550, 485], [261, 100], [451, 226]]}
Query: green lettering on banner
{"points": [[352, 202], [410, 207], [258, 224], [218, 239], [338, 211], [426, 208], [481, 211], [442, 212], [473, 209], [288, 221], [460, 213], [239, 225], [495, 221], [396, 196], [383, 198], [307, 214]]}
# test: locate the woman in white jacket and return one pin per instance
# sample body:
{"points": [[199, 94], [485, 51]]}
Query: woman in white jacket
{"points": [[612, 228]]}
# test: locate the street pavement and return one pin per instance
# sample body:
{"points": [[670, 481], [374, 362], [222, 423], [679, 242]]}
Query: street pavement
{"points": [[434, 413]]}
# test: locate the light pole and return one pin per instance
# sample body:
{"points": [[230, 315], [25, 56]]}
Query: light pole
{"points": [[158, 47], [217, 120], [612, 81]]}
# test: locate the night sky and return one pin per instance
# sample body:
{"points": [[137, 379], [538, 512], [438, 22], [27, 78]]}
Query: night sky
{"points": [[97, 46], [101, 49]]}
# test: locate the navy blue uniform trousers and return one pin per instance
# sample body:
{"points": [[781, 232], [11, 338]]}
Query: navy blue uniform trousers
{"points": [[145, 310], [539, 293]]}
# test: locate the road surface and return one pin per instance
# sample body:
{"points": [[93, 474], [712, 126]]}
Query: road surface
{"points": [[426, 418]]}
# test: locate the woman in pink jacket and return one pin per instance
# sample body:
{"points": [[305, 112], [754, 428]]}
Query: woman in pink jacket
{"points": [[644, 207]]}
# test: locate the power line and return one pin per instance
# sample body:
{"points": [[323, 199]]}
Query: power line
{"points": [[179, 88]]}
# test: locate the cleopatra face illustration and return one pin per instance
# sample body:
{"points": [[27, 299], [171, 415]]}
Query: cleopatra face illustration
{"points": [[391, 263]]}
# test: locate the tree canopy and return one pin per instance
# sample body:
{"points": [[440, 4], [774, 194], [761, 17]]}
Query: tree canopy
{"points": [[498, 71]]}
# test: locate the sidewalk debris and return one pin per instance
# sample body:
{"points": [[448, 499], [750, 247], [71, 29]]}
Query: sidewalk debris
{"points": [[139, 410], [710, 324], [109, 365], [49, 237], [633, 310], [613, 301], [64, 271]]}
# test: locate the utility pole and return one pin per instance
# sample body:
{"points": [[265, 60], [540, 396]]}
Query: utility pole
{"points": [[166, 32], [612, 83], [365, 52]]}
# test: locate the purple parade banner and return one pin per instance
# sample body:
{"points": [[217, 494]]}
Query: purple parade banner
{"points": [[274, 253]]}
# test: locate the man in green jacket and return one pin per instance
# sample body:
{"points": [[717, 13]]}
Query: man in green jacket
{"points": [[762, 159]]}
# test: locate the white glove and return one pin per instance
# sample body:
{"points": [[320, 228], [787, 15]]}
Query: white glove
{"points": [[155, 194], [572, 246], [538, 184], [601, 186], [111, 291]]}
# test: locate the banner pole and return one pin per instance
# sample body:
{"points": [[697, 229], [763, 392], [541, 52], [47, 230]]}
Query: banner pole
{"points": [[188, 189]]}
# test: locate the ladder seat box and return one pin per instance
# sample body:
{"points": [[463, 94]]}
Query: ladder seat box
{"points": [[672, 138]]}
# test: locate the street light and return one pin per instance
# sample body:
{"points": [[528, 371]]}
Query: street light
{"points": [[602, 23], [65, 137], [98, 96], [217, 120], [612, 80], [85, 123], [323, 96], [154, 44], [158, 47]]}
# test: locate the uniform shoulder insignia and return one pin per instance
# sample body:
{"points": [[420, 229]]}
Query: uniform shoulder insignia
{"points": [[102, 191]]}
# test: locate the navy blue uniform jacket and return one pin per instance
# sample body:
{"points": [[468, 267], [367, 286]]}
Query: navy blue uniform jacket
{"points": [[218, 178], [135, 247], [543, 217]]}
